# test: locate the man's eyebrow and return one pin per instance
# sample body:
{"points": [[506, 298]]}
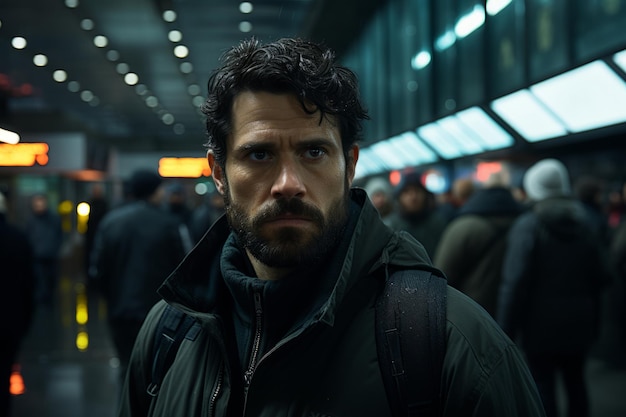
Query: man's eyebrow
{"points": [[251, 146], [308, 143]]}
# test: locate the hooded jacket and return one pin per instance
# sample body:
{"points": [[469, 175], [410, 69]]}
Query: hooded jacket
{"points": [[553, 274], [291, 349], [472, 247]]}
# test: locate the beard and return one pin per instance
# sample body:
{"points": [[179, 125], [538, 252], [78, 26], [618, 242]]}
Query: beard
{"points": [[289, 247]]}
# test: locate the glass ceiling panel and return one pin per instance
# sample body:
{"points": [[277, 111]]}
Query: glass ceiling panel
{"points": [[588, 97], [489, 134], [525, 114]]}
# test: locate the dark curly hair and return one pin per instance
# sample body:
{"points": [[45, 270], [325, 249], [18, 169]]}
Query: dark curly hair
{"points": [[288, 65]]}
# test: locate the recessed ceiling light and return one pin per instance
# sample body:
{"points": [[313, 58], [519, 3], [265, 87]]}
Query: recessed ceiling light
{"points": [[169, 16], [131, 78], [186, 67], [122, 68], [59, 76], [175, 36], [113, 55], [181, 51], [73, 86], [245, 26], [40, 60], [18, 42], [245, 7], [100, 41], [87, 24]]}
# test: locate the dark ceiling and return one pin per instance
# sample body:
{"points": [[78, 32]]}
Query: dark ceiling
{"points": [[119, 115]]}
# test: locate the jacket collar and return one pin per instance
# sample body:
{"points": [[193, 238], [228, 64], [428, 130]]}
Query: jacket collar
{"points": [[196, 285]]}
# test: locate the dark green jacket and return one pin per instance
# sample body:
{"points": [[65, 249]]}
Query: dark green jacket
{"points": [[326, 364]]}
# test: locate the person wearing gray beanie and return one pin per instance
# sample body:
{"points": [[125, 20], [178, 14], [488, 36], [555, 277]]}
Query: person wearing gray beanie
{"points": [[553, 277], [547, 178]]}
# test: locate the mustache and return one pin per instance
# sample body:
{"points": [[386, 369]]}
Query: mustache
{"points": [[293, 206]]}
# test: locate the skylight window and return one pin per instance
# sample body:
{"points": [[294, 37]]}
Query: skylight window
{"points": [[529, 117]]}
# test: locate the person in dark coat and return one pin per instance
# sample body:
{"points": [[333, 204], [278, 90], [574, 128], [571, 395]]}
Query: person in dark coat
{"points": [[416, 212], [553, 275], [46, 236], [137, 246], [17, 304], [471, 250]]}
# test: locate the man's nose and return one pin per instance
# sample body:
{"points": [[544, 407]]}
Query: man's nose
{"points": [[289, 181]]}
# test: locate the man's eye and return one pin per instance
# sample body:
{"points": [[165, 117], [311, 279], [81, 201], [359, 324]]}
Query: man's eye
{"points": [[315, 153], [259, 155]]}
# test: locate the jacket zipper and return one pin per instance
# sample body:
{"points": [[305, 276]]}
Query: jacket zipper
{"points": [[256, 346], [216, 392]]}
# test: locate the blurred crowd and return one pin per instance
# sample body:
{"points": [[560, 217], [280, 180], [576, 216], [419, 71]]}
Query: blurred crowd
{"points": [[546, 257]]}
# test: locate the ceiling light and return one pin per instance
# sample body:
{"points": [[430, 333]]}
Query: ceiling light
{"points": [[496, 6], [71, 3], [181, 51], [86, 96], [18, 42], [167, 118], [470, 22], [175, 36], [113, 55], [194, 89], [245, 7], [122, 68], [198, 101], [421, 60], [9, 137], [141, 89], [186, 67], [59, 76], [152, 101], [87, 24], [100, 41], [40, 60], [528, 116], [73, 86], [585, 98], [131, 78], [620, 59], [169, 16], [245, 26]]}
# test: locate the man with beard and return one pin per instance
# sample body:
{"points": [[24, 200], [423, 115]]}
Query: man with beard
{"points": [[283, 287]]}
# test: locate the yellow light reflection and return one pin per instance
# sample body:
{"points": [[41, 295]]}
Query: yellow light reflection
{"points": [[82, 210], [82, 340], [82, 316], [65, 210]]}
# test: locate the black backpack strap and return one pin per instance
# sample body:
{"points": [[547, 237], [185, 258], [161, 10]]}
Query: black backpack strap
{"points": [[173, 326], [411, 340]]}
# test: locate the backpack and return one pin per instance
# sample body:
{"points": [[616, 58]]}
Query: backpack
{"points": [[410, 317]]}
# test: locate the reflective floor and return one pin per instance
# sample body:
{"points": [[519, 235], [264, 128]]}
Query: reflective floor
{"points": [[70, 370]]}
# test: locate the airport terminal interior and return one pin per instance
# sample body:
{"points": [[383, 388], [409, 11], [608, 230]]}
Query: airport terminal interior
{"points": [[92, 90]]}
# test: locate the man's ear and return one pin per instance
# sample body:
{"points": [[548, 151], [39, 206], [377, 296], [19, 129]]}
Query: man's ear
{"points": [[217, 172], [353, 157]]}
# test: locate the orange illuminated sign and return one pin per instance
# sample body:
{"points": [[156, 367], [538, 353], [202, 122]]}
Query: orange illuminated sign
{"points": [[184, 167], [23, 154]]}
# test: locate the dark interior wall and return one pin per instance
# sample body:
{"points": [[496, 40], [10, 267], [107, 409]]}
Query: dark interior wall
{"points": [[337, 23]]}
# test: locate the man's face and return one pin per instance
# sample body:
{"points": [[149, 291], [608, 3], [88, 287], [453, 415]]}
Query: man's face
{"points": [[413, 199], [285, 181]]}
